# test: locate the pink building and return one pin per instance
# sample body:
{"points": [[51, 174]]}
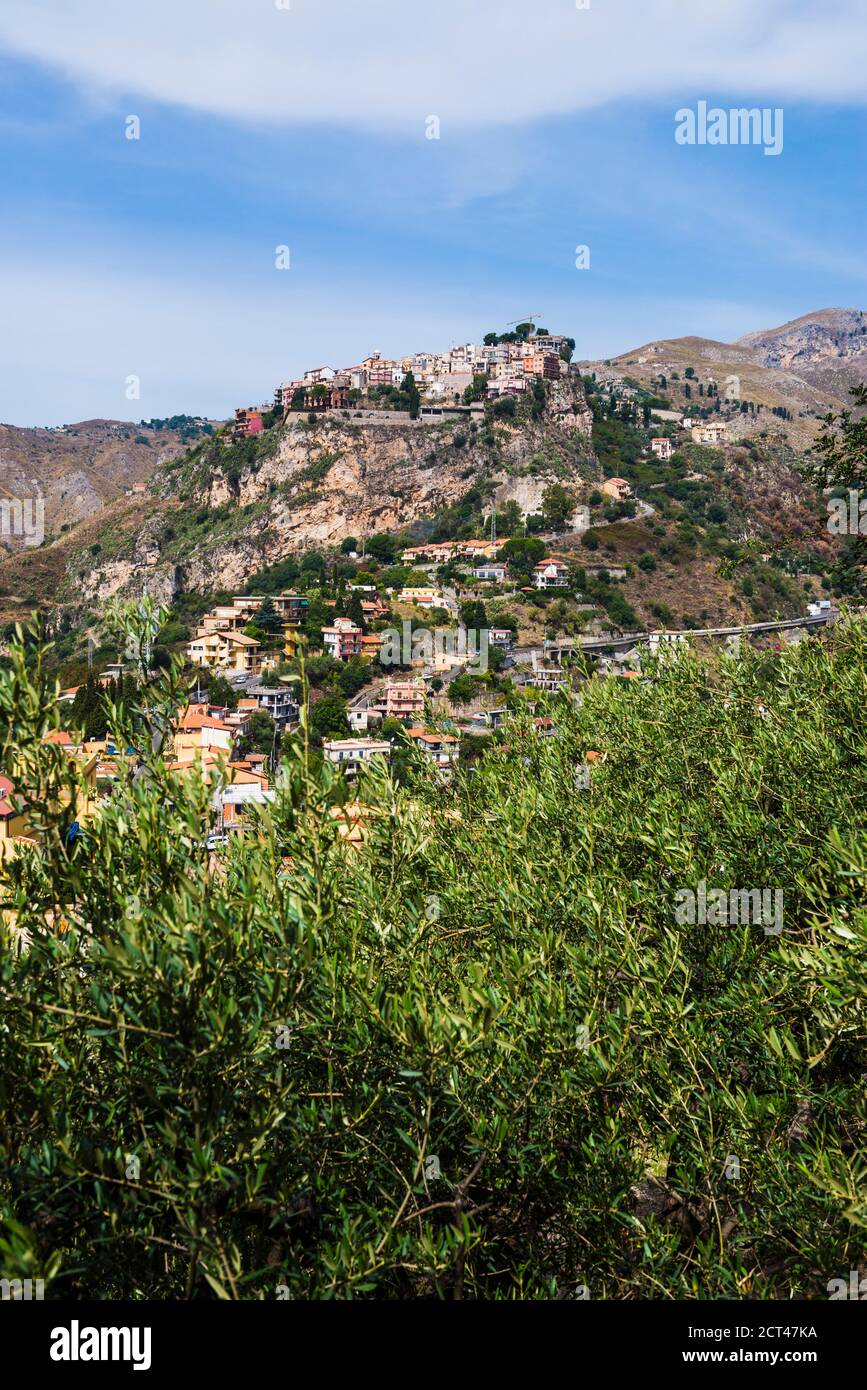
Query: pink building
{"points": [[404, 699], [544, 364], [248, 421], [342, 639]]}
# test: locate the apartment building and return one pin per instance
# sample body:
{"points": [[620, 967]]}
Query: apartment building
{"points": [[350, 754], [438, 551], [342, 639], [479, 550], [544, 364], [550, 342], [248, 420], [404, 699], [292, 608], [278, 701], [232, 652]]}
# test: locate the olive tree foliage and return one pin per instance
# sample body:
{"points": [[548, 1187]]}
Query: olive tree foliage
{"points": [[477, 1056], [840, 452]]}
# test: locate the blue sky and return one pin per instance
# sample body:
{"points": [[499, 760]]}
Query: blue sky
{"points": [[305, 127]]}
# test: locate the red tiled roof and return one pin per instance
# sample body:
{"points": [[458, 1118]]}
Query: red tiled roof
{"points": [[7, 798]]}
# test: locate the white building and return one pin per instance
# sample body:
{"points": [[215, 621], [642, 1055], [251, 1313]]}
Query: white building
{"points": [[349, 754], [550, 574]]}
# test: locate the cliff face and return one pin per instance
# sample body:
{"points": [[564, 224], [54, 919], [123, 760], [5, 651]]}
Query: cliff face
{"points": [[812, 340], [227, 510], [827, 349]]}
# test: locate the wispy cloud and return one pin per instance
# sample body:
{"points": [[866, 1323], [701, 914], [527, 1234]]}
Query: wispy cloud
{"points": [[385, 64]]}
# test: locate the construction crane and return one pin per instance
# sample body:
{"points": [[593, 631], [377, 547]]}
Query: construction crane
{"points": [[531, 318]]}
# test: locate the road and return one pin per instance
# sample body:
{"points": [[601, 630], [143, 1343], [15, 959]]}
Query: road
{"points": [[595, 644]]}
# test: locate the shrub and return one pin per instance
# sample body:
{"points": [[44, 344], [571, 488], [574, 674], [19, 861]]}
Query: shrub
{"points": [[541, 1088]]}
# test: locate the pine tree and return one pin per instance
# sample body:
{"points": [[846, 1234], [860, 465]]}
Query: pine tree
{"points": [[267, 618]]}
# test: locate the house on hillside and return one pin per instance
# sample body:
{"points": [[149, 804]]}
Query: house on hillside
{"points": [[278, 701], [229, 651], [442, 749], [342, 639], [422, 598], [712, 432], [198, 731], [248, 421], [618, 488], [550, 574], [404, 699], [350, 754], [492, 573]]}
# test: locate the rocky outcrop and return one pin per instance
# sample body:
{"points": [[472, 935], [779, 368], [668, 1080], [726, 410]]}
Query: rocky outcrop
{"points": [[311, 485]]}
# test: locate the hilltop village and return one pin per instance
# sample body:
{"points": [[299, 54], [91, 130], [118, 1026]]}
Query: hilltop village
{"points": [[432, 646], [425, 384]]}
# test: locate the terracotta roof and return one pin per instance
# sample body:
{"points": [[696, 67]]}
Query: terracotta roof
{"points": [[191, 723], [7, 798]]}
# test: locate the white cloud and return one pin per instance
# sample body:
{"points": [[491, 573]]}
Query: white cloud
{"points": [[387, 64]]}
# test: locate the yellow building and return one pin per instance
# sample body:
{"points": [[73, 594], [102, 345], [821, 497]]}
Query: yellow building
{"points": [[230, 651], [13, 818], [423, 598], [15, 822]]}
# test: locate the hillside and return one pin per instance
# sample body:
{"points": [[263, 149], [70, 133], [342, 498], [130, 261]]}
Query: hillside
{"points": [[80, 468], [228, 507], [807, 367], [223, 509]]}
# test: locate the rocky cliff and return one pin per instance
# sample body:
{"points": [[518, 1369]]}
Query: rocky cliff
{"points": [[227, 508]]}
